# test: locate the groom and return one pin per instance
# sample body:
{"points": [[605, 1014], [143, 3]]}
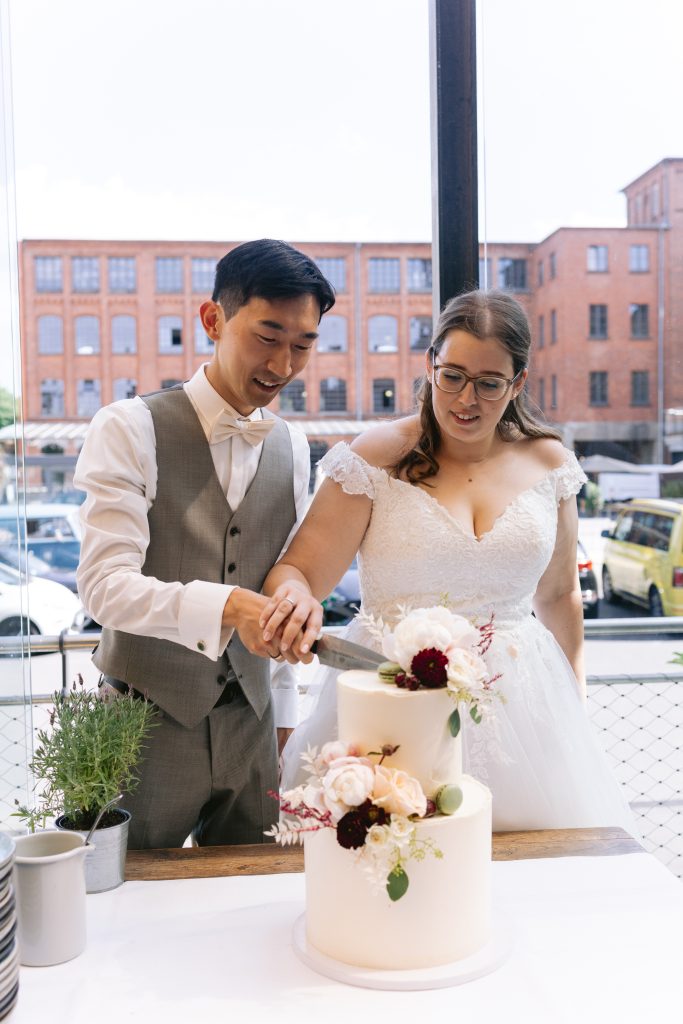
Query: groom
{"points": [[192, 493]]}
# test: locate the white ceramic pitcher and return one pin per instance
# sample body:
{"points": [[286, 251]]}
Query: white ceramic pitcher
{"points": [[49, 869]]}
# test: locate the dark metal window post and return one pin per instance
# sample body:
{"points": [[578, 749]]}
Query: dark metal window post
{"points": [[453, 89]]}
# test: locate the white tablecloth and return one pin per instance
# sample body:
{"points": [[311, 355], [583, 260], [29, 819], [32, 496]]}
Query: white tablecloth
{"points": [[595, 939]]}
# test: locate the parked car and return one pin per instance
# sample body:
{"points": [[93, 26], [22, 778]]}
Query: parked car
{"points": [[32, 605], [643, 557], [55, 560], [344, 601], [589, 583], [54, 522]]}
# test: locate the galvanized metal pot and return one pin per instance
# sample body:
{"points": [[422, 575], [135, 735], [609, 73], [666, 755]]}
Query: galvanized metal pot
{"points": [[105, 862]]}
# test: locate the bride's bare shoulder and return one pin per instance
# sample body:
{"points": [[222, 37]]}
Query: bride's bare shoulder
{"points": [[548, 452], [385, 444]]}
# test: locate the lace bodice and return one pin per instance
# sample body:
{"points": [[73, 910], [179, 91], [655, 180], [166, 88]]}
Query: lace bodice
{"points": [[416, 554]]}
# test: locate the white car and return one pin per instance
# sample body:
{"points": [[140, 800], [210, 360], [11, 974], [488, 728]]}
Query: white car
{"points": [[34, 605]]}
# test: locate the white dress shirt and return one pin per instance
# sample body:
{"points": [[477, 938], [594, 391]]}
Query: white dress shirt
{"points": [[117, 468]]}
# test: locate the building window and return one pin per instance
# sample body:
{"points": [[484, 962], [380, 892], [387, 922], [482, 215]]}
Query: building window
{"points": [[639, 259], [597, 392], [596, 256], [203, 345], [332, 333], [640, 387], [170, 334], [384, 275], [88, 399], [512, 274], [87, 329], [639, 315], [553, 391], [50, 335], [334, 269], [541, 331], [124, 388], [48, 271], [332, 395], [552, 263], [122, 274], [553, 326], [597, 321], [170, 382], [52, 397], [203, 275], [419, 275], [169, 273], [123, 334], [540, 274], [485, 272], [420, 328], [85, 274], [383, 334], [541, 394], [384, 396], [293, 397]]}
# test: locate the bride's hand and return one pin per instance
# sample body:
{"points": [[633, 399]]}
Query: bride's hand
{"points": [[301, 615]]}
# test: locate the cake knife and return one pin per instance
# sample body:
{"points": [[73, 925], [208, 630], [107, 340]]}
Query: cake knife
{"points": [[343, 654]]}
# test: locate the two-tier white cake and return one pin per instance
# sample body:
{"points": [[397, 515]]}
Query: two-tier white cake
{"points": [[445, 913]]}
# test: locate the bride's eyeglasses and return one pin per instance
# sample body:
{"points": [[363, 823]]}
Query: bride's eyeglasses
{"points": [[486, 386]]}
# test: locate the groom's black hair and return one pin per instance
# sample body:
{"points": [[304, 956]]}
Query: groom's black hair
{"points": [[268, 269]]}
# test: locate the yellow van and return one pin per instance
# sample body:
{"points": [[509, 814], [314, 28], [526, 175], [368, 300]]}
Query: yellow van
{"points": [[643, 557]]}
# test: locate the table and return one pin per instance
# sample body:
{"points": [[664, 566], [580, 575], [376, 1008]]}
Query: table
{"points": [[596, 925]]}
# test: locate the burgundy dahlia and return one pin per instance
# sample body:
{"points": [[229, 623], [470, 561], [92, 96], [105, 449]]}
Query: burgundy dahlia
{"points": [[429, 666], [353, 827]]}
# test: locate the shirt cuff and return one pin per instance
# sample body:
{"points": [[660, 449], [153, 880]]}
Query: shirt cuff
{"points": [[285, 708], [200, 621]]}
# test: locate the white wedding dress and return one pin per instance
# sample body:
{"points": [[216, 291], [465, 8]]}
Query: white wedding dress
{"points": [[538, 755]]}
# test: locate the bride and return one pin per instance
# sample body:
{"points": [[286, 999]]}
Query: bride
{"points": [[471, 503]]}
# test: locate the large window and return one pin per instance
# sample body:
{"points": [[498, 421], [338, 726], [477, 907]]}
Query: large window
{"points": [[512, 274], [384, 275], [639, 316], [640, 387], [553, 391], [123, 334], [85, 274], [597, 321], [597, 388], [203, 275], [203, 345], [639, 259], [87, 397], [332, 395], [541, 331], [50, 335], [48, 271], [552, 264], [170, 334], [122, 274], [169, 274], [124, 387], [334, 269], [87, 334], [596, 259], [383, 334], [553, 326], [332, 333], [419, 275], [52, 397], [384, 396], [293, 397], [420, 329]]}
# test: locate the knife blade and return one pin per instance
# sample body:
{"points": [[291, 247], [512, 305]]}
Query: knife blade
{"points": [[343, 654]]}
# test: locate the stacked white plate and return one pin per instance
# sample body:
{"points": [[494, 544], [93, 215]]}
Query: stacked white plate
{"points": [[9, 951]]}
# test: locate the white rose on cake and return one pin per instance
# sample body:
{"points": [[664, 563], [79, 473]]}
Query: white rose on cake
{"points": [[397, 792], [348, 783], [427, 628], [466, 670]]}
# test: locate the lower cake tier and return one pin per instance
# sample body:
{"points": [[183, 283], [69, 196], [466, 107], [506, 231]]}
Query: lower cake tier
{"points": [[445, 914]]}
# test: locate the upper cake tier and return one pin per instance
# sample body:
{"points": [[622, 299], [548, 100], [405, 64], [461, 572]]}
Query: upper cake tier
{"points": [[372, 713]]}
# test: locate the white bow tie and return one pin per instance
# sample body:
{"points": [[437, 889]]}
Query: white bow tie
{"points": [[227, 425]]}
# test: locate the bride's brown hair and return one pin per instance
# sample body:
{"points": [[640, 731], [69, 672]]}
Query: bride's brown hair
{"points": [[484, 314]]}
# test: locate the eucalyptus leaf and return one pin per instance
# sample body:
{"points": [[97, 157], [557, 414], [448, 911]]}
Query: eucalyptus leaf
{"points": [[475, 714], [454, 723], [397, 884]]}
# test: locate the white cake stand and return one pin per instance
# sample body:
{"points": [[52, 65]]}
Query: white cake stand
{"points": [[484, 961]]}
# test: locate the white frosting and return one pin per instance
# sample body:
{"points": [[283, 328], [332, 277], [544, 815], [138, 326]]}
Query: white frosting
{"points": [[444, 915], [372, 713]]}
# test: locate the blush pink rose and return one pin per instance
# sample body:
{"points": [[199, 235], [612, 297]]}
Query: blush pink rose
{"points": [[397, 792]]}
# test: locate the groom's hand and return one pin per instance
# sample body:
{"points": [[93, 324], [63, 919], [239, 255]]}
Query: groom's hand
{"points": [[294, 617], [242, 612]]}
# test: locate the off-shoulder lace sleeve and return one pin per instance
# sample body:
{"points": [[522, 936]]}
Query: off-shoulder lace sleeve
{"points": [[354, 474], [569, 477]]}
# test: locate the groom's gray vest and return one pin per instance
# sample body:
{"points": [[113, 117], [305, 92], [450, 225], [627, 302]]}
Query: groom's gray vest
{"points": [[195, 535]]}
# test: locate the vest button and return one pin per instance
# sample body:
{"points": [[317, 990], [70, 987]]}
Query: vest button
{"points": [[221, 680], [232, 567], [234, 530]]}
